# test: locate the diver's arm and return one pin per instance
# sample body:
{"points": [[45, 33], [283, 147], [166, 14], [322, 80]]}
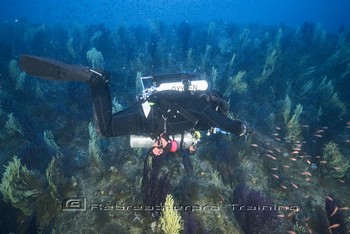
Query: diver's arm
{"points": [[208, 117]]}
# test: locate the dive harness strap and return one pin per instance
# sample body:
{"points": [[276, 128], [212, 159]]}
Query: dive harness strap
{"points": [[180, 110]]}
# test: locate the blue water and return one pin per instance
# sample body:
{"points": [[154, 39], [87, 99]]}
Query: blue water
{"points": [[331, 14]]}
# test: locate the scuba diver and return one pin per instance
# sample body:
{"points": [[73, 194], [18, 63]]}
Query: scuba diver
{"points": [[159, 112]]}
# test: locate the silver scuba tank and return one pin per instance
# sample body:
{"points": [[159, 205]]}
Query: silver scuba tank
{"points": [[139, 141]]}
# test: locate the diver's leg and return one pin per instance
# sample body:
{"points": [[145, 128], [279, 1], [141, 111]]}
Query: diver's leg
{"points": [[130, 121], [126, 122], [101, 103]]}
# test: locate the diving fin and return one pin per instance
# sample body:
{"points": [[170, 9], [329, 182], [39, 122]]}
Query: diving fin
{"points": [[50, 69]]}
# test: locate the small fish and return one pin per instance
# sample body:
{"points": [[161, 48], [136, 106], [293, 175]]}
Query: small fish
{"points": [[269, 151], [293, 159], [276, 176], [335, 211], [348, 123], [298, 145], [277, 149], [308, 161], [274, 168], [297, 149], [318, 157], [305, 126], [277, 139], [290, 214], [291, 232], [319, 131], [295, 152], [336, 168], [254, 145], [306, 173], [325, 127], [281, 216], [344, 208], [329, 198], [318, 135], [278, 128], [323, 162], [294, 185], [334, 226], [307, 196], [341, 181], [283, 186], [308, 179], [270, 156], [275, 134], [286, 166]]}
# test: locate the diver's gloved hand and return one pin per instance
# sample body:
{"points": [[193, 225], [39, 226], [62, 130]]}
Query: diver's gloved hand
{"points": [[50, 69]]}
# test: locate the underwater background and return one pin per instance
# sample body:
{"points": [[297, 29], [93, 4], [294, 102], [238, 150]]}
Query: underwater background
{"points": [[284, 66]]}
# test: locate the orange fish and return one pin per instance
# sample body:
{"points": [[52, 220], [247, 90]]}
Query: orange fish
{"points": [[270, 156], [294, 185], [291, 232], [334, 226], [335, 210], [277, 149], [274, 168], [306, 173], [293, 159], [295, 152]]}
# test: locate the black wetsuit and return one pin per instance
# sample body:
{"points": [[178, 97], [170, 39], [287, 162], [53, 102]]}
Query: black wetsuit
{"points": [[183, 110]]}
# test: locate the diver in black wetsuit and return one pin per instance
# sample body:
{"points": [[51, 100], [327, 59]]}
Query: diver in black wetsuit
{"points": [[173, 112]]}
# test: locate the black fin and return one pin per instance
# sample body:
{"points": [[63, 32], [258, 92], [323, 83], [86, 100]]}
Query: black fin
{"points": [[53, 70]]}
